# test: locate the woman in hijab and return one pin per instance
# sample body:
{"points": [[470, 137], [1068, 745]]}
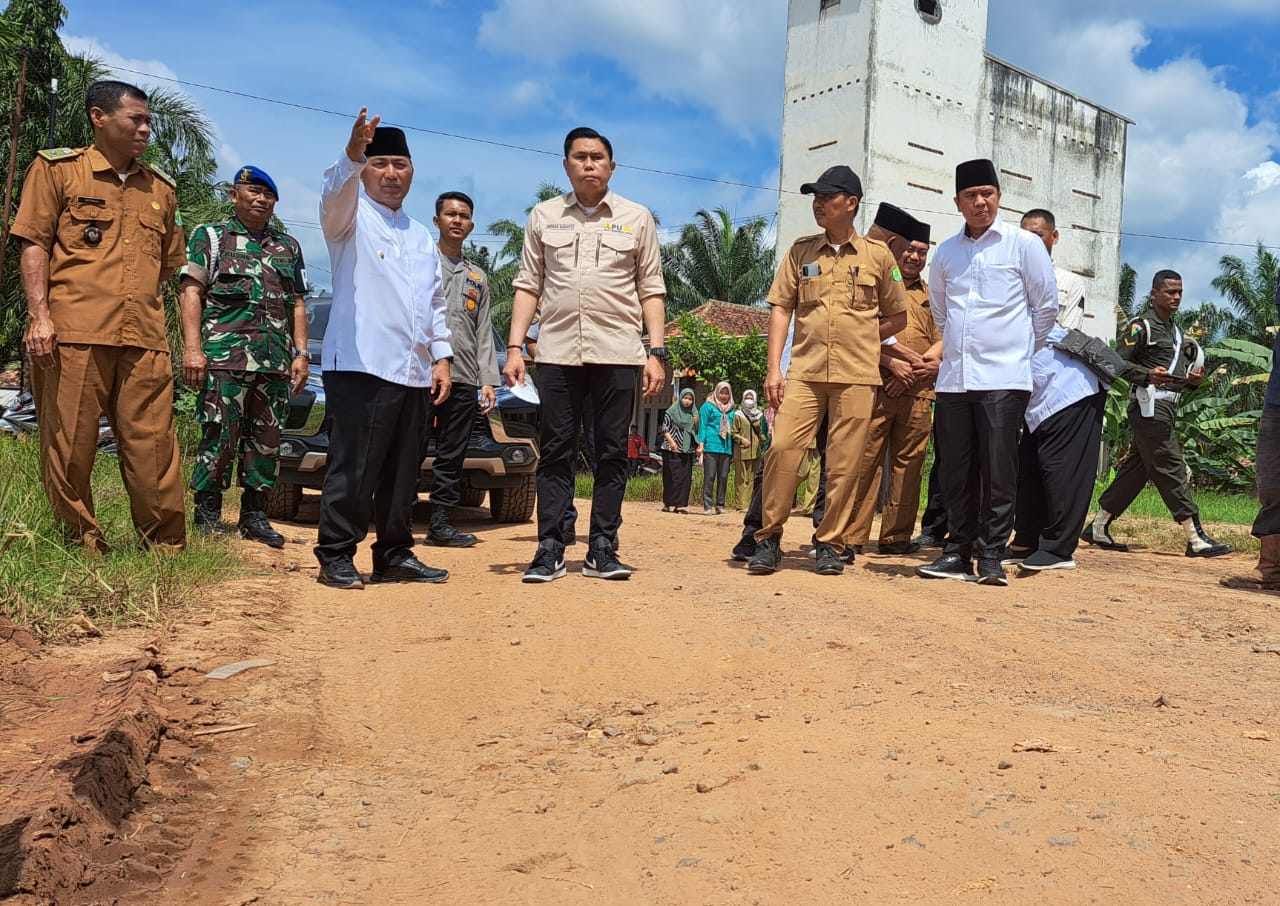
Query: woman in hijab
{"points": [[750, 440], [679, 440], [715, 443]]}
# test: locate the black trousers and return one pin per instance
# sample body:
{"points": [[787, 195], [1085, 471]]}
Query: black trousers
{"points": [[677, 477], [453, 421], [934, 521], [564, 390], [1057, 466], [1154, 456], [753, 519], [1267, 469], [375, 451], [980, 474]]}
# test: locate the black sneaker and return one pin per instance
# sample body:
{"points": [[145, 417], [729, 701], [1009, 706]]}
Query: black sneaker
{"points": [[990, 572], [570, 538], [547, 565], [745, 549], [410, 569], [948, 566], [1042, 560], [340, 574], [924, 539], [442, 533], [901, 547], [1214, 550], [767, 558], [828, 563], [602, 562], [1102, 539], [255, 527]]}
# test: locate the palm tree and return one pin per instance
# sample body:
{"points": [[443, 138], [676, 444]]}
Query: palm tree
{"points": [[1250, 295], [714, 260]]}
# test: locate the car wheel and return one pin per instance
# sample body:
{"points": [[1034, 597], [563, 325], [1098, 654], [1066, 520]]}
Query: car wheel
{"points": [[471, 496], [514, 504], [283, 500]]}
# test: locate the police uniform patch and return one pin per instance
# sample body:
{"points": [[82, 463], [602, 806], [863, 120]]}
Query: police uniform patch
{"points": [[471, 304], [1132, 335]]}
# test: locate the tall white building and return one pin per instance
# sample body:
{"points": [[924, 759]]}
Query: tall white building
{"points": [[903, 90]]}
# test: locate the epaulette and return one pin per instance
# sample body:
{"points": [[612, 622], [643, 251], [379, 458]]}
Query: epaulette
{"points": [[158, 172], [57, 154]]}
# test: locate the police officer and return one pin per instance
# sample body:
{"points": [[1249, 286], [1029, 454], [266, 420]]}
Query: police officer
{"points": [[1160, 365], [847, 297], [903, 413], [475, 365], [244, 323], [100, 235]]}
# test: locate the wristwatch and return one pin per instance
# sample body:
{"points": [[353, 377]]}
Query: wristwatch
{"points": [[661, 353]]}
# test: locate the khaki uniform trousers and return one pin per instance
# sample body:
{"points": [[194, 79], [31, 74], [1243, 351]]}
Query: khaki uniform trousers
{"points": [[744, 480], [901, 426], [811, 474], [848, 410], [134, 387]]}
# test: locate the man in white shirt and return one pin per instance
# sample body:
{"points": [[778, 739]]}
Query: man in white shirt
{"points": [[1057, 458], [1070, 284], [386, 358], [993, 296]]}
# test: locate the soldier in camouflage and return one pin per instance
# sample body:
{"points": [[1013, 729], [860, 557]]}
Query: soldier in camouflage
{"points": [[244, 324]]}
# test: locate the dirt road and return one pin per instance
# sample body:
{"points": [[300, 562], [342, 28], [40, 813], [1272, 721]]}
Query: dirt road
{"points": [[700, 735]]}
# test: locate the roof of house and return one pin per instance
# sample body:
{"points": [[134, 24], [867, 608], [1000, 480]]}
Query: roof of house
{"points": [[732, 320]]}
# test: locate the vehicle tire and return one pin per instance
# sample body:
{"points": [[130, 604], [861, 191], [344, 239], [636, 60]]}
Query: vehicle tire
{"points": [[471, 496], [514, 504], [283, 500]]}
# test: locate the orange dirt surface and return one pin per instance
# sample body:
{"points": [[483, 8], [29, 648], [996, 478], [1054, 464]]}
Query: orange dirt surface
{"points": [[693, 735]]}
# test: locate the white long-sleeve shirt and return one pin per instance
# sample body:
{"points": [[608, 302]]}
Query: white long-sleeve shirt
{"points": [[1057, 381], [389, 307], [1070, 298], [994, 298]]}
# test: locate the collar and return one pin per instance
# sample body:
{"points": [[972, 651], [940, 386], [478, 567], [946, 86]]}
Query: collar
{"points": [[99, 163], [998, 226], [396, 216], [852, 243], [917, 283], [571, 201]]}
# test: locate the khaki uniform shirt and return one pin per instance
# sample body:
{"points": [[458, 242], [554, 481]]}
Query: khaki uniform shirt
{"points": [[590, 273], [106, 293], [920, 332], [475, 357], [838, 307]]}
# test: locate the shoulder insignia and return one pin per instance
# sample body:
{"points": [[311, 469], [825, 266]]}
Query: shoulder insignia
{"points": [[897, 275], [54, 154], [160, 173], [177, 217], [1134, 332]]}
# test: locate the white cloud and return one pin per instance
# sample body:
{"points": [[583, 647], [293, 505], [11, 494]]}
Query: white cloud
{"points": [[527, 93], [717, 54], [126, 68]]}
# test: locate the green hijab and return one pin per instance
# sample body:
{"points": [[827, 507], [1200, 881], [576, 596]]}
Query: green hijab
{"points": [[681, 417]]}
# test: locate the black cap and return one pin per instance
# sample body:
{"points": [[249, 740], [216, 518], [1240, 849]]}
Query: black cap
{"points": [[895, 220], [388, 141], [976, 173], [834, 181]]}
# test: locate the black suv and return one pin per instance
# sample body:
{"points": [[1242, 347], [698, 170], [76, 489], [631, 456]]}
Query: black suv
{"points": [[502, 455]]}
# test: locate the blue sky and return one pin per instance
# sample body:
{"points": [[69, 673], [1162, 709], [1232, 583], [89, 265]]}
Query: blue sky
{"points": [[692, 86]]}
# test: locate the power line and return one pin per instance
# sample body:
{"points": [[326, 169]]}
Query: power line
{"points": [[655, 170]]}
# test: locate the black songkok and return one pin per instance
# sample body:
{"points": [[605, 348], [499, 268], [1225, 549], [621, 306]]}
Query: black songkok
{"points": [[388, 141], [976, 173], [896, 220]]}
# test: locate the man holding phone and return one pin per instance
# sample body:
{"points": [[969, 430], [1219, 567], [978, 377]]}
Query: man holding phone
{"points": [[386, 358]]}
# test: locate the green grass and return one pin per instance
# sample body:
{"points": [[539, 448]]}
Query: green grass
{"points": [[45, 583]]}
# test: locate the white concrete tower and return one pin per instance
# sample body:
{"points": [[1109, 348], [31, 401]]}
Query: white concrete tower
{"points": [[903, 90]]}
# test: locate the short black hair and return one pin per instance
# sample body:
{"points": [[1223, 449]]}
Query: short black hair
{"points": [[1162, 276], [455, 196], [586, 132], [108, 94], [1040, 214]]}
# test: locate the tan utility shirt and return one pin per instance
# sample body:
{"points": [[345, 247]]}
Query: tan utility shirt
{"points": [[838, 298], [920, 332], [111, 243], [590, 273]]}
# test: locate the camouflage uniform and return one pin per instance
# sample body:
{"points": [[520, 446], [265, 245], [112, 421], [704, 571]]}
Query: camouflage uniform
{"points": [[247, 330]]}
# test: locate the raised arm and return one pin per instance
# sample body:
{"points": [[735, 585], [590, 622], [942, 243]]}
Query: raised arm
{"points": [[340, 194]]}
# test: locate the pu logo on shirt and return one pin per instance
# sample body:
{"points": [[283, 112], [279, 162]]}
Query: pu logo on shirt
{"points": [[617, 228]]}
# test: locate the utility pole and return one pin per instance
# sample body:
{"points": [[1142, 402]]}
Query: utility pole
{"points": [[53, 114], [15, 125]]}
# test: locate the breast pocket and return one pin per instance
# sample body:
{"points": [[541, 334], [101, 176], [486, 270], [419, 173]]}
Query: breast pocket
{"points": [[152, 232], [88, 227], [231, 286], [810, 291], [618, 250], [560, 247], [866, 293]]}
